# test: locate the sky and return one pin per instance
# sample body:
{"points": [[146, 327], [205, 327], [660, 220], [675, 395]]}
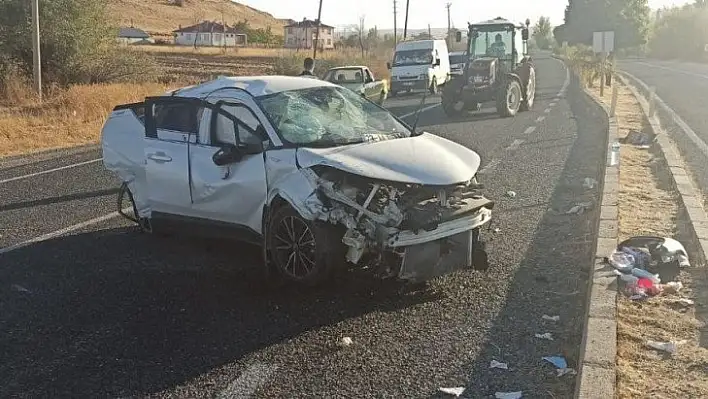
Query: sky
{"points": [[422, 12]]}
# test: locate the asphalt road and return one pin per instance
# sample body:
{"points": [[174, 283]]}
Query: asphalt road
{"points": [[105, 311], [683, 87]]}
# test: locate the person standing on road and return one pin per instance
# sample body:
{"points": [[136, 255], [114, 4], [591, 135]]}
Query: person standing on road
{"points": [[309, 67]]}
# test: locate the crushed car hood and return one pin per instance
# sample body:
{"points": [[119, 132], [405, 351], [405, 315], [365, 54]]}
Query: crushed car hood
{"points": [[424, 159]]}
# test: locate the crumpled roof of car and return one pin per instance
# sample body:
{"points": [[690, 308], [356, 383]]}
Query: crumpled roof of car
{"points": [[255, 85]]}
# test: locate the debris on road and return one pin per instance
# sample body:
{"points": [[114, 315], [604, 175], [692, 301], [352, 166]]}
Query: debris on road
{"points": [[508, 395], [670, 347], [589, 183], [546, 336], [639, 139], [686, 302], [511, 194], [498, 365], [561, 365], [550, 318], [19, 288], [346, 341], [456, 392], [579, 208]]}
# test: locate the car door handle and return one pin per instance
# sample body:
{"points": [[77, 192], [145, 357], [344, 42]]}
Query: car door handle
{"points": [[160, 157]]}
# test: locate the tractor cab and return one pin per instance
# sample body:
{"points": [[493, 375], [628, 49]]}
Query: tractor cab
{"points": [[497, 38]]}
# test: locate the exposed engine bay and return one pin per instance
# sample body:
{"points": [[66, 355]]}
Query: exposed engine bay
{"points": [[429, 229]]}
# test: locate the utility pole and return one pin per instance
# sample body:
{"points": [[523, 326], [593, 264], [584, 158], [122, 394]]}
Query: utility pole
{"points": [[317, 35], [395, 28], [449, 25], [430, 32], [405, 24], [36, 58]]}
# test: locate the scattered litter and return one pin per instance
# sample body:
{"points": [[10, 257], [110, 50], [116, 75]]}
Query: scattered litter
{"points": [[640, 139], [508, 395], [567, 370], [550, 318], [643, 274], [19, 288], [346, 341], [546, 336], [669, 347], [672, 287], [558, 361], [498, 365], [589, 183], [561, 365], [452, 391], [686, 302], [580, 208], [511, 194]]}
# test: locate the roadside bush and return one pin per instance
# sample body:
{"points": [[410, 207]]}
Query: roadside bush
{"points": [[78, 44]]}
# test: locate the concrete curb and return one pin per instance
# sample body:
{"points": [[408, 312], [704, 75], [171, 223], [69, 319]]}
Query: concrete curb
{"points": [[692, 219], [598, 352]]}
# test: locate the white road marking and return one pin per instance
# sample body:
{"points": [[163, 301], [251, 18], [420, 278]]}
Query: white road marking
{"points": [[248, 382], [697, 75], [491, 165], [44, 172], [547, 110], [530, 130], [63, 231], [429, 107], [540, 119], [515, 144], [567, 79]]}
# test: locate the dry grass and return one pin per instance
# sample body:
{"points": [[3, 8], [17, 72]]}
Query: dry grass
{"points": [[648, 207], [70, 118], [160, 18]]}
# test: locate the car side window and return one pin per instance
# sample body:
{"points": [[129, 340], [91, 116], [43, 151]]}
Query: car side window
{"points": [[233, 120], [178, 117]]}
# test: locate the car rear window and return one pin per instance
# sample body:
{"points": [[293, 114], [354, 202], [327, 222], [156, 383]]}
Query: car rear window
{"points": [[457, 59]]}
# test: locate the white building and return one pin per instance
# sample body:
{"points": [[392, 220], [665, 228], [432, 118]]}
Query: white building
{"points": [[303, 34], [209, 34], [133, 36]]}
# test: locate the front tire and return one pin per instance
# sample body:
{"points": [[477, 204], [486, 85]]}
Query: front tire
{"points": [[434, 86], [530, 91], [509, 99], [299, 249]]}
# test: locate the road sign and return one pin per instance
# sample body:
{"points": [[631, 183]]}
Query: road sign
{"points": [[603, 42]]}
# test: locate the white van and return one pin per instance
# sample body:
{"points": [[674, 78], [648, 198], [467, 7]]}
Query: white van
{"points": [[419, 65]]}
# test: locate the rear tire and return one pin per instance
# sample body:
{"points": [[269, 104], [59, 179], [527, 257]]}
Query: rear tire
{"points": [[509, 98]]}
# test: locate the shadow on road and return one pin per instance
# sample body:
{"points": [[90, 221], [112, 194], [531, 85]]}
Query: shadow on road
{"points": [[54, 200], [119, 313]]}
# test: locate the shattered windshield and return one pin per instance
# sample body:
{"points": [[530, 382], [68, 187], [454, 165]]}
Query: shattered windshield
{"points": [[329, 116], [492, 43], [413, 57]]}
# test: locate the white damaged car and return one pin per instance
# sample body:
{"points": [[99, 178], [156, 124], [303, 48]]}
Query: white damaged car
{"points": [[312, 172]]}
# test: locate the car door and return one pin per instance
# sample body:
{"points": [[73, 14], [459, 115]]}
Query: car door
{"points": [[171, 125], [234, 193], [370, 86]]}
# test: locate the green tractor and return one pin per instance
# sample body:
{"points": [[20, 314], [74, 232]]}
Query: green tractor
{"points": [[497, 68]]}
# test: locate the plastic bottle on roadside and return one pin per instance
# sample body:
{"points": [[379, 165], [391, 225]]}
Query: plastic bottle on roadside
{"points": [[614, 153]]}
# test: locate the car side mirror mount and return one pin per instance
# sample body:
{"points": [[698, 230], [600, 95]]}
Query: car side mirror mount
{"points": [[458, 36], [227, 154], [525, 34]]}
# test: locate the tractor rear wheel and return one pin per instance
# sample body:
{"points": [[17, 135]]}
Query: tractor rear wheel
{"points": [[509, 98]]}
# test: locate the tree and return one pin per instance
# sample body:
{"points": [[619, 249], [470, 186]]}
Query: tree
{"points": [[629, 19], [542, 33], [78, 43]]}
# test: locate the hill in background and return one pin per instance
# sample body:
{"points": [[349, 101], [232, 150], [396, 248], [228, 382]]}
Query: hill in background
{"points": [[160, 17]]}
